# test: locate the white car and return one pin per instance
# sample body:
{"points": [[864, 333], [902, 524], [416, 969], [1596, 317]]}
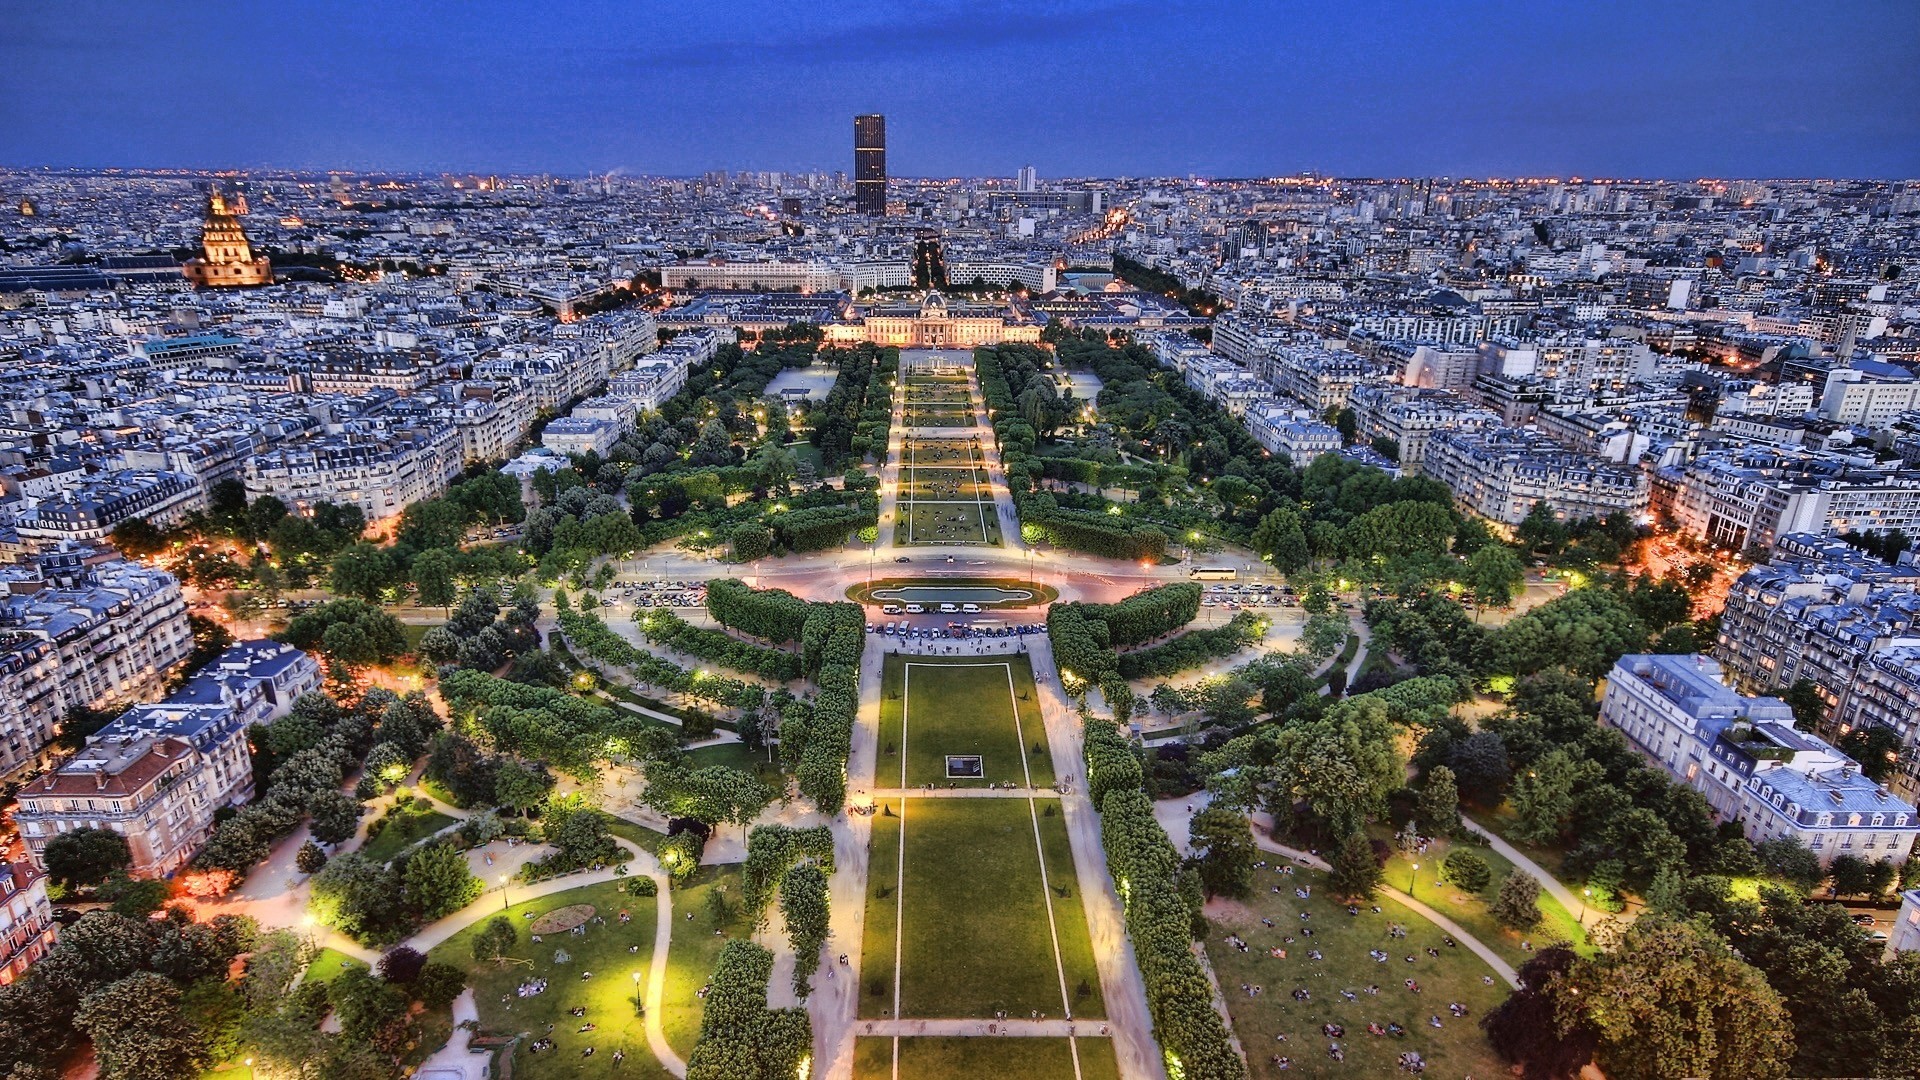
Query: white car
{"points": [[890, 609], [948, 609], [970, 608], [915, 609]]}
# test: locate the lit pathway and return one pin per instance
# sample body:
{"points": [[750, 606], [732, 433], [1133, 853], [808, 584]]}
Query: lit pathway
{"points": [[1018, 1029], [1493, 959], [1559, 892], [644, 862]]}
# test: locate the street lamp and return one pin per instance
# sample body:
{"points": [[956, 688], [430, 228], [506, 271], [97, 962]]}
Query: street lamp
{"points": [[503, 892], [1586, 894], [639, 1002], [1411, 877]]}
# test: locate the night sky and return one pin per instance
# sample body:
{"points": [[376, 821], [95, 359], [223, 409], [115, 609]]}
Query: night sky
{"points": [[973, 87]]}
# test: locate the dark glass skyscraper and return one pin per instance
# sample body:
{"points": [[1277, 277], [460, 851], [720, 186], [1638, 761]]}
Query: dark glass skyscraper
{"points": [[870, 164]]}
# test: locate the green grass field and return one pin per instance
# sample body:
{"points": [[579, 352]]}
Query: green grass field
{"points": [[943, 393], [976, 939], [949, 523], [961, 705], [403, 829], [1473, 911], [1455, 1049], [695, 949], [327, 965], [607, 997], [944, 484], [942, 453], [938, 416], [970, 1058]]}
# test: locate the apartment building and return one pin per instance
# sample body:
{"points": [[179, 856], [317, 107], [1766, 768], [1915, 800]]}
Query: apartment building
{"points": [[1407, 417], [1501, 472], [1756, 494], [1289, 434], [1744, 755], [27, 929], [81, 627], [89, 511], [379, 468], [159, 773]]}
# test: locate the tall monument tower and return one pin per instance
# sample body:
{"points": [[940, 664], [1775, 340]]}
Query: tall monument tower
{"points": [[870, 164]]}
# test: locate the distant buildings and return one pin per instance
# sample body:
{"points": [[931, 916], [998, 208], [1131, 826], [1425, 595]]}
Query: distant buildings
{"points": [[379, 468], [1499, 473], [1744, 755], [158, 773], [870, 164]]}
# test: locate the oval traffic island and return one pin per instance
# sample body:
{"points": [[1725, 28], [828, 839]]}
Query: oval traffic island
{"points": [[998, 594]]}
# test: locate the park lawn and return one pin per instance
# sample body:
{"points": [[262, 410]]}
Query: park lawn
{"points": [[975, 939], [633, 832], [327, 965], [1473, 911], [969, 522], [1457, 1048], [961, 705], [403, 829], [695, 949], [938, 416], [937, 1058], [607, 997], [1069, 919], [436, 790], [952, 485], [735, 755]]}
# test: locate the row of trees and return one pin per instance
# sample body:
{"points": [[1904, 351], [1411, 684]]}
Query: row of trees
{"points": [[593, 637], [854, 419], [1162, 898], [740, 1037], [1193, 648], [665, 628]]}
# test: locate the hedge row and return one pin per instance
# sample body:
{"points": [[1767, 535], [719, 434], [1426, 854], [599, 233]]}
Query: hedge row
{"points": [[1193, 648], [1084, 635], [597, 640], [740, 1038], [1160, 918], [666, 628]]}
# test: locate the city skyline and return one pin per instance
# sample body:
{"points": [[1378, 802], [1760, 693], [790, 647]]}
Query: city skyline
{"points": [[1381, 90]]}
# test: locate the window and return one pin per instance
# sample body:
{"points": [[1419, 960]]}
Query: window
{"points": [[1879, 820]]}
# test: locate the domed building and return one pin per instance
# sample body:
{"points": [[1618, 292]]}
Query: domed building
{"points": [[933, 323], [227, 260]]}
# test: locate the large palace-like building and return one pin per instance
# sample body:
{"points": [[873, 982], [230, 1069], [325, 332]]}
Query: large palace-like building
{"points": [[933, 323], [227, 260]]}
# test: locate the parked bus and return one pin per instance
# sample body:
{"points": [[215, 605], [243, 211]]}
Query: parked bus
{"points": [[1214, 573]]}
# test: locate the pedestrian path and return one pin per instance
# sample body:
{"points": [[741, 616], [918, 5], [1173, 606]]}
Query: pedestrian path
{"points": [[1017, 1029], [1568, 900]]}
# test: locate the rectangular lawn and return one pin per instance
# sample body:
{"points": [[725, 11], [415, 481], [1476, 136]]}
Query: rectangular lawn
{"points": [[936, 523], [961, 706], [976, 938]]}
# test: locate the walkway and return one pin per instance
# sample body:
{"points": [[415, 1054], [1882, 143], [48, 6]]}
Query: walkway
{"points": [[1017, 1029], [1493, 959], [1585, 913], [644, 862]]}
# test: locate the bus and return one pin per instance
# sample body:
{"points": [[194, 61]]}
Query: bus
{"points": [[1214, 573]]}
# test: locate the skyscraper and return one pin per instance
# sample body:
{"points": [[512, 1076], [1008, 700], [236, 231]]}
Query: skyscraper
{"points": [[870, 164], [1028, 180]]}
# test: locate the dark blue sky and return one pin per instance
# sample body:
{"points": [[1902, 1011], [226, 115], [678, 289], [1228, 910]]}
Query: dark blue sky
{"points": [[975, 87]]}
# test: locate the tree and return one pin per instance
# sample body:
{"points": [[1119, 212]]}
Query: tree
{"points": [[804, 907], [1787, 858], [336, 816], [1481, 768], [364, 571], [1494, 574], [309, 859], [1439, 806], [136, 898], [495, 938], [1673, 1000], [1533, 1028], [432, 573], [1517, 906], [86, 856], [1544, 795], [1281, 539], [402, 964], [1875, 746], [1852, 875], [1356, 871], [1223, 851], [1803, 697], [1541, 530], [138, 537], [1467, 870], [438, 881], [139, 1031]]}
